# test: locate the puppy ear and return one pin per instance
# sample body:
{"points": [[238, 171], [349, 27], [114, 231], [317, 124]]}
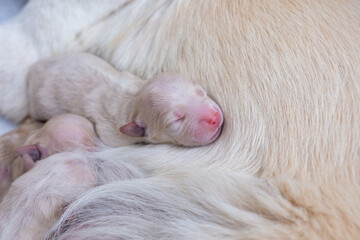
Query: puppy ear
{"points": [[134, 129], [35, 152]]}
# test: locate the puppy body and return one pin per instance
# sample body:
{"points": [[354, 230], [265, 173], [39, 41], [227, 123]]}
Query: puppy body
{"points": [[33, 141], [84, 85], [53, 183], [123, 108]]}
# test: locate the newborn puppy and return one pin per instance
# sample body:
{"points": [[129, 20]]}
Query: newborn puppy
{"points": [[65, 132], [125, 109], [37, 199], [8, 143]]}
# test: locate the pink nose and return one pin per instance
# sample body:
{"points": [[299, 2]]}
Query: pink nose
{"points": [[212, 118]]}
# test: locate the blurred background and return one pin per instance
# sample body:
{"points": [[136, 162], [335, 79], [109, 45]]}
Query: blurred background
{"points": [[8, 9]]}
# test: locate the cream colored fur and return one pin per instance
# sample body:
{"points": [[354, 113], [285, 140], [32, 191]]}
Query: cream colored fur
{"points": [[86, 85], [8, 157], [66, 132], [286, 74], [53, 184]]}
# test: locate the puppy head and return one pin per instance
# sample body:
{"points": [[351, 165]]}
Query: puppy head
{"points": [[169, 108]]}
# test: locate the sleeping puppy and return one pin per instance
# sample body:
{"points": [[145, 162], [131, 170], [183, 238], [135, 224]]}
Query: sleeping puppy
{"points": [[125, 109], [67, 132]]}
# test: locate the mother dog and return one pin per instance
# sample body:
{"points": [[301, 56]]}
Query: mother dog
{"points": [[286, 74]]}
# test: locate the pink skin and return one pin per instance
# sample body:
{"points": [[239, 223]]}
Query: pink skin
{"points": [[62, 133], [31, 154], [206, 118], [65, 132], [172, 109], [209, 120]]}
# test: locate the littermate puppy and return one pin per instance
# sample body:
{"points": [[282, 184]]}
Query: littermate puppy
{"points": [[8, 157], [36, 199], [66, 132], [124, 108]]}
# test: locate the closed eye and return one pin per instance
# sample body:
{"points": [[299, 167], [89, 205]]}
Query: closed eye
{"points": [[177, 123], [180, 119]]}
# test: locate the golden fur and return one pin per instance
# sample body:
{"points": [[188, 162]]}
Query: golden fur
{"points": [[286, 74]]}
